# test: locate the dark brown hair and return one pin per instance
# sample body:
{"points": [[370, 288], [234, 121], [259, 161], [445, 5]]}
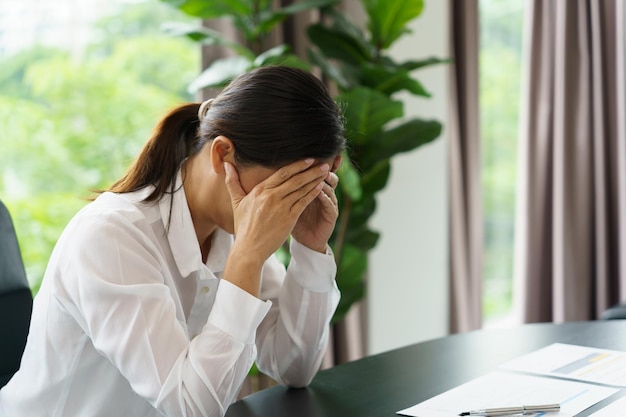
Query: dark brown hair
{"points": [[273, 115]]}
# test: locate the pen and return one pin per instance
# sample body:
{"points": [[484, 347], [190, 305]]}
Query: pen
{"points": [[504, 411]]}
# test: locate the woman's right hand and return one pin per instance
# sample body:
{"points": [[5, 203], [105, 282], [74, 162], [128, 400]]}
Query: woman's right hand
{"points": [[264, 217]]}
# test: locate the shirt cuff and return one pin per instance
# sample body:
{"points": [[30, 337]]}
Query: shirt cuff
{"points": [[237, 312], [314, 271]]}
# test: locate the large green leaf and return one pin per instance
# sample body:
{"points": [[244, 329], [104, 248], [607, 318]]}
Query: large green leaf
{"points": [[337, 44], [270, 54], [350, 270], [402, 138], [362, 212], [413, 65], [376, 178], [279, 55], [349, 179], [352, 265], [210, 9], [220, 72], [389, 80], [287, 60], [303, 5], [388, 19], [366, 111], [269, 18], [349, 296], [342, 24], [363, 238], [206, 36], [405, 82], [343, 79]]}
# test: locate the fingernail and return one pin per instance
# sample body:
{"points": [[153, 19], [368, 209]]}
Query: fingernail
{"points": [[324, 167], [227, 167], [309, 161]]}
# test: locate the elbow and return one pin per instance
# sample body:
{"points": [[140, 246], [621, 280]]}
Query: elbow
{"points": [[300, 374], [298, 381]]}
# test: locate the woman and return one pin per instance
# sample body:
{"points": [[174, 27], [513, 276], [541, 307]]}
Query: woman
{"points": [[160, 293]]}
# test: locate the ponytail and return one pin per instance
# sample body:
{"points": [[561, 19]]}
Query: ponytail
{"points": [[173, 140]]}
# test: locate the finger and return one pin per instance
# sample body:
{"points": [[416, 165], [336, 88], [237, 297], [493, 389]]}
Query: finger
{"points": [[314, 174], [303, 197], [289, 171], [294, 194], [232, 182], [328, 198], [329, 192], [302, 183], [326, 210], [332, 180]]}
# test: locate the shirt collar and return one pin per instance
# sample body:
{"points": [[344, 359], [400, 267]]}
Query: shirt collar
{"points": [[221, 243], [182, 235], [180, 231]]}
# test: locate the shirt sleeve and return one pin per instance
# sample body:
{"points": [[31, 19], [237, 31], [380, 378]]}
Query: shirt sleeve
{"points": [[293, 337], [124, 307]]}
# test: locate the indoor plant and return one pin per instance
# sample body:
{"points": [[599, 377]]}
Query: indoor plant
{"points": [[367, 79], [253, 20]]}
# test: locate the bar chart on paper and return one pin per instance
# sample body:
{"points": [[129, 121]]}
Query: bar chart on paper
{"points": [[574, 362]]}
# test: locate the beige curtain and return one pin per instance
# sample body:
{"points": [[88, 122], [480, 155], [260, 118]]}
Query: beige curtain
{"points": [[571, 215], [465, 216]]}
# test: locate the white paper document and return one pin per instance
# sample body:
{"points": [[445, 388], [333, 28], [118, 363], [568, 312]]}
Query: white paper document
{"points": [[616, 408], [575, 362], [504, 389]]}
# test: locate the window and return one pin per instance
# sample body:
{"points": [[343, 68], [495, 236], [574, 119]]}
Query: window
{"points": [[82, 83], [500, 78]]}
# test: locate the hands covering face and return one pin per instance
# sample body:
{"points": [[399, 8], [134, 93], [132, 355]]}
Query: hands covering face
{"points": [[317, 221], [298, 198]]}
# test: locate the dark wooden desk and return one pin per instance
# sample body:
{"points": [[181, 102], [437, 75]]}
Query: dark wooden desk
{"points": [[380, 385]]}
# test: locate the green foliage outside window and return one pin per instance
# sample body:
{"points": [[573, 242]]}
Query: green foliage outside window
{"points": [[500, 86], [73, 123]]}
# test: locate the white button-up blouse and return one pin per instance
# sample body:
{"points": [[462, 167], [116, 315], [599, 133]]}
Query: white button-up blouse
{"points": [[130, 322]]}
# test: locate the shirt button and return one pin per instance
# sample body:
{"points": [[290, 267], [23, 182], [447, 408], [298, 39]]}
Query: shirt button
{"points": [[205, 289]]}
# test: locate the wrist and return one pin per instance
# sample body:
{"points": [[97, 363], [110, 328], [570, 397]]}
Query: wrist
{"points": [[249, 256], [320, 249], [243, 269]]}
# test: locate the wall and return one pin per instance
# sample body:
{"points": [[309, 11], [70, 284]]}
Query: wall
{"points": [[407, 298]]}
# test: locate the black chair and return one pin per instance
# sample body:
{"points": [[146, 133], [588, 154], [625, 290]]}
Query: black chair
{"points": [[615, 312], [16, 300]]}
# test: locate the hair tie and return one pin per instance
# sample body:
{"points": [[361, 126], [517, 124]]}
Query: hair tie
{"points": [[204, 108]]}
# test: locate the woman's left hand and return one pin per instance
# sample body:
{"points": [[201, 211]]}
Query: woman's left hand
{"points": [[317, 221]]}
